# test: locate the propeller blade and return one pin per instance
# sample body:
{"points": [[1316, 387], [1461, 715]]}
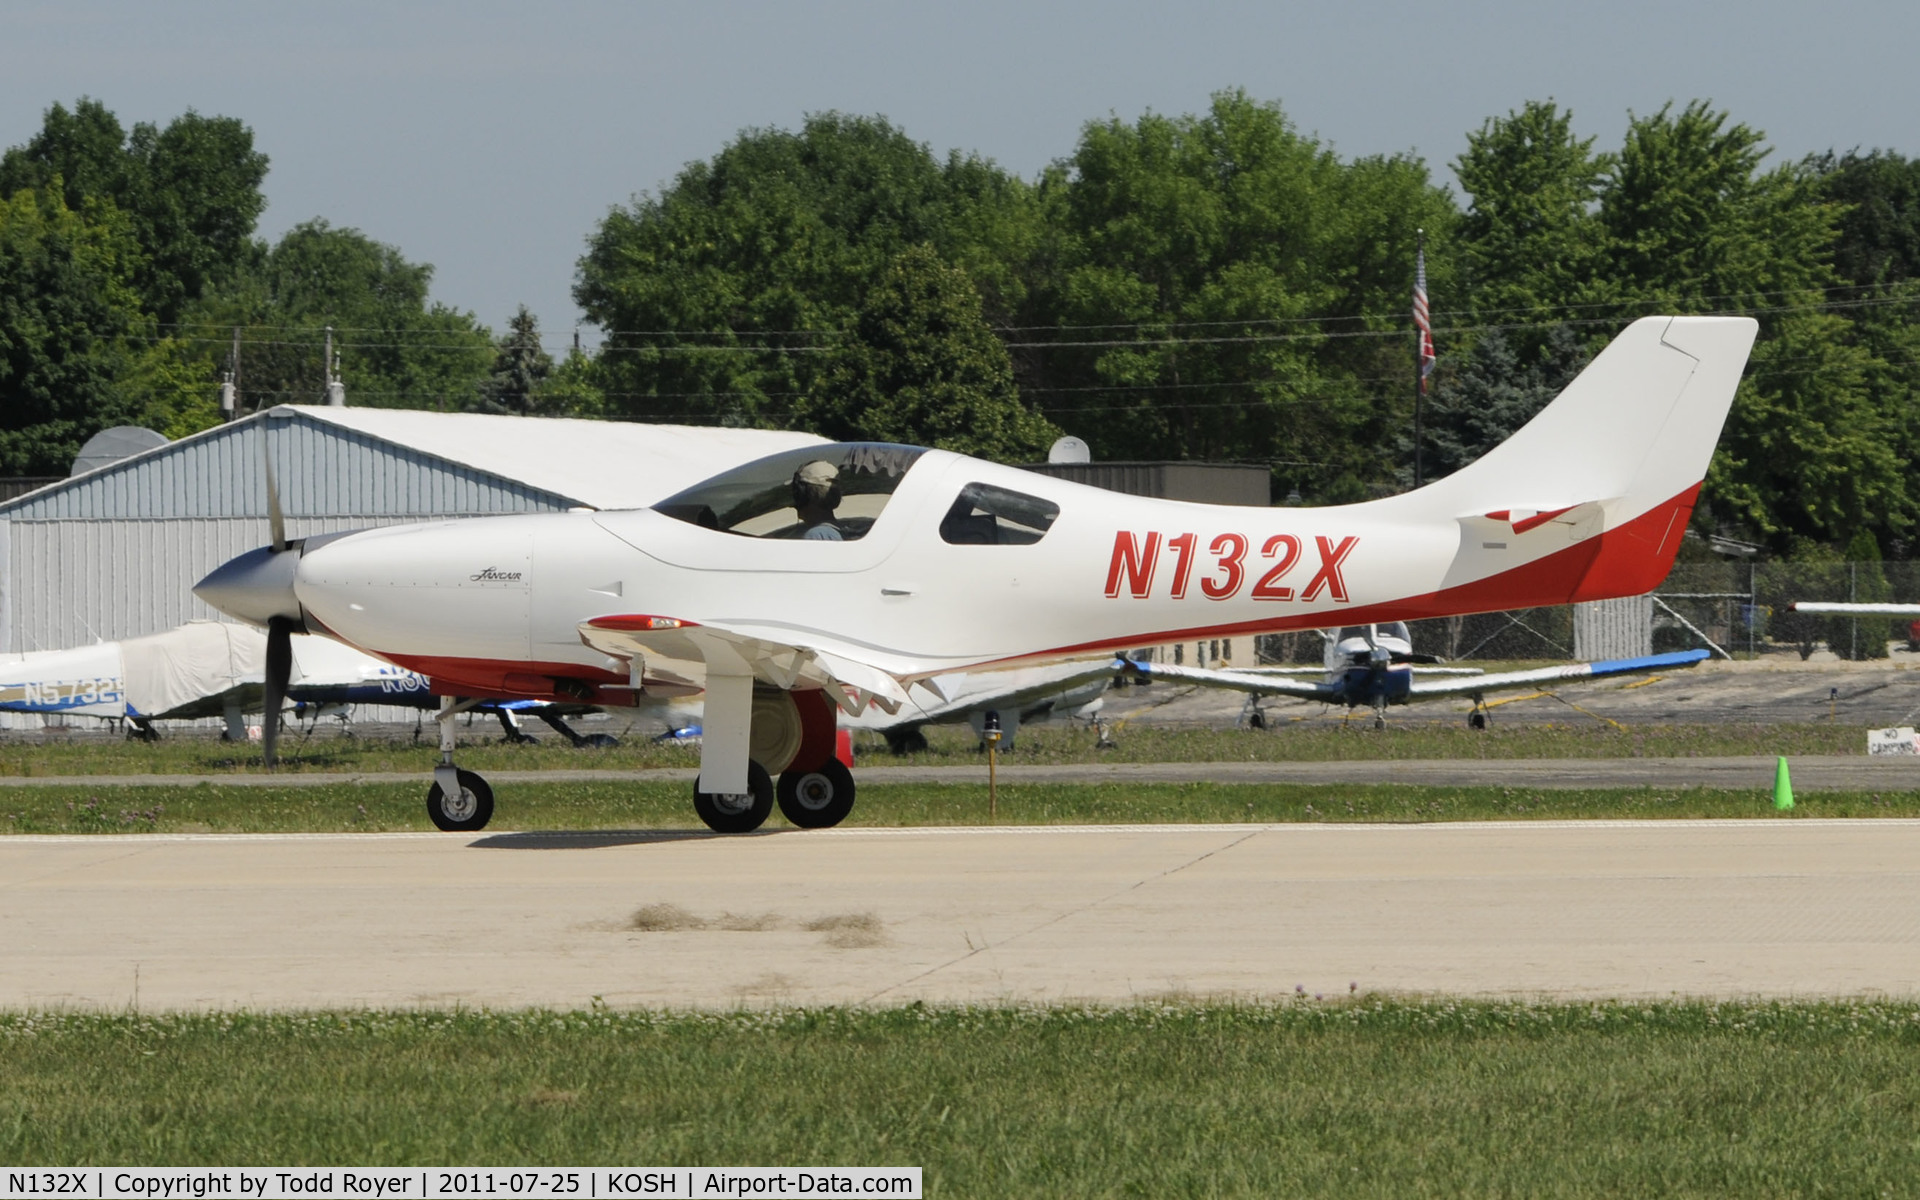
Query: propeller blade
{"points": [[276, 522], [279, 672]]}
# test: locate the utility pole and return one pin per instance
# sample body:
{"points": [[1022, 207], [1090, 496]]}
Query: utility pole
{"points": [[230, 391]]}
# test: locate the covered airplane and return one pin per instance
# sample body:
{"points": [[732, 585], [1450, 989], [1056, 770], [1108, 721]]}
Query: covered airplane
{"points": [[1372, 666], [214, 669], [841, 576], [200, 669]]}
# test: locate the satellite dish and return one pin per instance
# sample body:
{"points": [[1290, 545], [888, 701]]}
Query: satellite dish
{"points": [[1069, 450], [109, 446]]}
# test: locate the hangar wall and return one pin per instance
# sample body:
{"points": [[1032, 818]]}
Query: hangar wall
{"points": [[115, 553]]}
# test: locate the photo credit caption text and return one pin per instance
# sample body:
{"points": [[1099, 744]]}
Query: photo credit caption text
{"points": [[422, 1183]]}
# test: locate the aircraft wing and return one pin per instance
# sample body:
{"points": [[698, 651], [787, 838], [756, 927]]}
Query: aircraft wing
{"points": [[1501, 680], [662, 649], [1008, 688], [1822, 608], [1259, 685]]}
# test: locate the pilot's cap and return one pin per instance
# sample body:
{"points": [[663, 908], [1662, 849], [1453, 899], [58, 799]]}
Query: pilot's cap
{"points": [[817, 474]]}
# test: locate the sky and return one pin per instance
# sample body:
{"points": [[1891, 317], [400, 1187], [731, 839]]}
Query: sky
{"points": [[489, 139]]}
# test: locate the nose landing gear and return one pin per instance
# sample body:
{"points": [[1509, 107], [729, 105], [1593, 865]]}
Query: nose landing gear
{"points": [[459, 801]]}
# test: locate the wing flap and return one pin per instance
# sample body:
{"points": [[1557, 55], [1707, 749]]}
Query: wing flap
{"points": [[679, 651]]}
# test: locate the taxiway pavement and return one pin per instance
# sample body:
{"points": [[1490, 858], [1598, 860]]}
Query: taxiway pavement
{"points": [[1811, 773], [1764, 907]]}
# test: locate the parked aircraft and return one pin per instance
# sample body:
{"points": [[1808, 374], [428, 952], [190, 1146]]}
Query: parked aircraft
{"points": [[842, 576], [213, 669], [200, 669], [1371, 666]]}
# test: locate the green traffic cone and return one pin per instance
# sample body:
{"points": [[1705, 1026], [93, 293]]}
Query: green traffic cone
{"points": [[1782, 787]]}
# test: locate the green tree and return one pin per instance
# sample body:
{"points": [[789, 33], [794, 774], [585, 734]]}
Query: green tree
{"points": [[520, 367], [1200, 261], [717, 295], [397, 348], [1878, 195], [1531, 244], [1489, 393], [572, 389], [70, 327], [921, 366], [1695, 222], [191, 191]]}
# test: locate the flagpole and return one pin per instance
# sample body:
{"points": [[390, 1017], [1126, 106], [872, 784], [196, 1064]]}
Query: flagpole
{"points": [[1419, 375]]}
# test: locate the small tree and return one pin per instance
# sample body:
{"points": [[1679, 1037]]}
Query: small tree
{"points": [[520, 367], [921, 366]]}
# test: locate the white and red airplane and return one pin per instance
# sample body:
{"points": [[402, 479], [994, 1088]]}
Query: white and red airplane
{"points": [[843, 575]]}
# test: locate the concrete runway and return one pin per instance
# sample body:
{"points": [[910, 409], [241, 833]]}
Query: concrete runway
{"points": [[1589, 909]]}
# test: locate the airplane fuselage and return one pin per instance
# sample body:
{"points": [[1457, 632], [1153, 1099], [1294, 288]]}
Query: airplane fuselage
{"points": [[496, 605]]}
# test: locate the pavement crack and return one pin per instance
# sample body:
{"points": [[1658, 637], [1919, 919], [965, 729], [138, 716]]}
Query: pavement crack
{"points": [[984, 946]]}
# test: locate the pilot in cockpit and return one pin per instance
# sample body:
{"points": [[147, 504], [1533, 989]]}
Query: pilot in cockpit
{"points": [[816, 493]]}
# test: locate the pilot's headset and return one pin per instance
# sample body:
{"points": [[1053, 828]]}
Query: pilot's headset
{"points": [[818, 480]]}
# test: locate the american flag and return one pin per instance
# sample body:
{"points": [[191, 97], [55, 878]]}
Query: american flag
{"points": [[1421, 319]]}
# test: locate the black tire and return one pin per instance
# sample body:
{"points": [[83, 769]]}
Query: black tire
{"points": [[1476, 720], [469, 811], [737, 814], [817, 799]]}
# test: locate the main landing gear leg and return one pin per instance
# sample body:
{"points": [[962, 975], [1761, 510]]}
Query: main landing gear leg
{"points": [[459, 801], [733, 794], [1478, 718]]}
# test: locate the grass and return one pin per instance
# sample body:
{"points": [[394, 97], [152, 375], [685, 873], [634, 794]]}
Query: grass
{"points": [[1360, 1097], [329, 751], [346, 808]]}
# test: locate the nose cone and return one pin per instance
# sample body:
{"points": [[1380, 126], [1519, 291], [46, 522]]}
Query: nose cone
{"points": [[254, 587]]}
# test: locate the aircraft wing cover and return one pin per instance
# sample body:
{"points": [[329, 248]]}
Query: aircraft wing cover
{"points": [[188, 664], [1594, 670]]}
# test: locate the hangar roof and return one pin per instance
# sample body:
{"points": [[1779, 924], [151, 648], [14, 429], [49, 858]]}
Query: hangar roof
{"points": [[380, 462]]}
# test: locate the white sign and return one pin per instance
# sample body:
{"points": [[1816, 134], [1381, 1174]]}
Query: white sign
{"points": [[1899, 740]]}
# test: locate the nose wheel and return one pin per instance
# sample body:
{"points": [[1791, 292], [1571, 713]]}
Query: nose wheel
{"points": [[459, 801], [463, 808]]}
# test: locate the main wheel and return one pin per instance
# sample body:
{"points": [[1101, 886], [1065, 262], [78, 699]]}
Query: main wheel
{"points": [[1476, 719], [464, 813], [817, 799], [742, 813]]}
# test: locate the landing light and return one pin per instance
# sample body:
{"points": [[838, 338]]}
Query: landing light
{"points": [[639, 622]]}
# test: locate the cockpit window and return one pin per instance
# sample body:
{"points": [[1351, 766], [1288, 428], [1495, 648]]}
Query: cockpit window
{"points": [[1391, 629], [831, 492], [984, 515]]}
